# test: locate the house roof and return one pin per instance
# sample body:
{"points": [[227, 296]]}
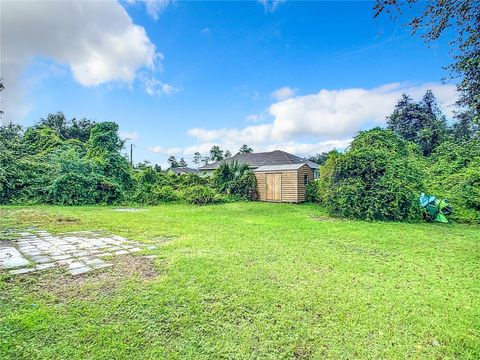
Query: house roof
{"points": [[255, 160], [279, 167], [182, 170]]}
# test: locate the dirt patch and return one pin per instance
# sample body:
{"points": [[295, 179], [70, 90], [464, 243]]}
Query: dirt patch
{"points": [[325, 218], [36, 217], [58, 286], [128, 210]]}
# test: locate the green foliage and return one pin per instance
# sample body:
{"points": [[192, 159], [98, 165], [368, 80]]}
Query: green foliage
{"points": [[67, 129], [104, 140], [312, 193], [375, 179], [421, 123], [165, 194], [319, 158], [216, 154], [454, 173], [245, 149], [41, 140], [201, 195], [234, 178]]}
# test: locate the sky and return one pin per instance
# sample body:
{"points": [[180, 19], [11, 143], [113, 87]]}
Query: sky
{"points": [[180, 77]]}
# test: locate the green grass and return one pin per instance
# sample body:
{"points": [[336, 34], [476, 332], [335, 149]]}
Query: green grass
{"points": [[251, 280]]}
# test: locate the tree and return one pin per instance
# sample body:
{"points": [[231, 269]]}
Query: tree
{"points": [[421, 123], [172, 161], [205, 160], [104, 148], [67, 129], [197, 158], [104, 139], [228, 154], [434, 20], [2, 87], [319, 158], [465, 129], [245, 149], [182, 163], [216, 154]]}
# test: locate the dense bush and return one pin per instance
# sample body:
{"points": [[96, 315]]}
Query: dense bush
{"points": [[378, 178], [233, 178], [312, 193], [166, 194], [454, 173], [201, 195]]}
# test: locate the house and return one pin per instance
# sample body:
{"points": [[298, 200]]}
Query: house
{"points": [[281, 177], [182, 170]]}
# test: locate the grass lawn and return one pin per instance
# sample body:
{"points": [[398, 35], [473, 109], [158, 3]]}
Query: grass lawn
{"points": [[249, 280]]}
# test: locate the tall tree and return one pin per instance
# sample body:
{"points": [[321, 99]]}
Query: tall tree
{"points": [[465, 129], [216, 154], [182, 163], [197, 158], [2, 87], [245, 149], [228, 154], [104, 139], [319, 158], [439, 17], [205, 160], [421, 123], [172, 161], [67, 129]]}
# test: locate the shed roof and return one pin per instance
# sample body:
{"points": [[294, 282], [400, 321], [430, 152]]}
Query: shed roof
{"points": [[279, 167]]}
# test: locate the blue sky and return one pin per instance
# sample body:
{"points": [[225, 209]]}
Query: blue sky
{"points": [[179, 77]]}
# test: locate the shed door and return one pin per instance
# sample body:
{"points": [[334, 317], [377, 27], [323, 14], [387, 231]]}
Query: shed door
{"points": [[274, 187]]}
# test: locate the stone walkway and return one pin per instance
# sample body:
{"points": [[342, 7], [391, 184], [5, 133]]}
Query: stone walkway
{"points": [[79, 252]]}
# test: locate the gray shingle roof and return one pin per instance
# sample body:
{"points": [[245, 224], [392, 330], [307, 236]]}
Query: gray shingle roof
{"points": [[182, 170], [255, 160]]}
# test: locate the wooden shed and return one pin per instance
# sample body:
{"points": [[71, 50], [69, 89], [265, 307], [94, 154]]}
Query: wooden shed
{"points": [[283, 183]]}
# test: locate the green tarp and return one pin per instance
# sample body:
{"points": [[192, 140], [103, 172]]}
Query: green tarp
{"points": [[435, 209]]}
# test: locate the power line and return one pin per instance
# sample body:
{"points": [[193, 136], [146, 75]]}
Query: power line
{"points": [[159, 153]]}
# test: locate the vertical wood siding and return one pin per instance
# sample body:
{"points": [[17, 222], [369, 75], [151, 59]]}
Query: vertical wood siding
{"points": [[289, 183], [304, 170]]}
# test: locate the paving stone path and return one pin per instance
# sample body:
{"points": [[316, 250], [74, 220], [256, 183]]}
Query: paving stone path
{"points": [[80, 252]]}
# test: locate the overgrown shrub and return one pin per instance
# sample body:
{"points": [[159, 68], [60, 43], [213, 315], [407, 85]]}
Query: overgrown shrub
{"points": [[454, 173], [312, 192], [201, 195], [233, 178], [165, 194], [376, 179]]}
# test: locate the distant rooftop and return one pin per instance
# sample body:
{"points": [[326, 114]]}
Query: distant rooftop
{"points": [[182, 170], [255, 160]]}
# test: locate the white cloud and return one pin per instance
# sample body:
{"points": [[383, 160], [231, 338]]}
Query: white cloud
{"points": [[125, 135], [97, 40], [283, 93], [154, 7], [205, 31], [166, 150], [271, 6], [254, 117], [154, 86], [344, 112], [332, 117]]}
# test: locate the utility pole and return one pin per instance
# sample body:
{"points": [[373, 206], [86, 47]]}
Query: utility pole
{"points": [[131, 154]]}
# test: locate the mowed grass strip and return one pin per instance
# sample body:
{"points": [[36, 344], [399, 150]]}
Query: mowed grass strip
{"points": [[250, 280]]}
